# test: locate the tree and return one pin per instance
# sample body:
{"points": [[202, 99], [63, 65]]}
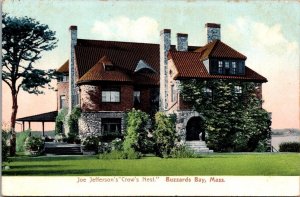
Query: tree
{"points": [[23, 41], [165, 134], [136, 137], [234, 118]]}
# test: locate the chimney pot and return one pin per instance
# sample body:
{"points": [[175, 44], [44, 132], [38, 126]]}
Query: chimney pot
{"points": [[214, 25], [73, 27], [165, 31]]}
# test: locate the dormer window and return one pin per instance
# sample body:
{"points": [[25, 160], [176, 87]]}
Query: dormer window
{"points": [[233, 68], [107, 64], [241, 67], [220, 68], [144, 67], [227, 67], [108, 67]]}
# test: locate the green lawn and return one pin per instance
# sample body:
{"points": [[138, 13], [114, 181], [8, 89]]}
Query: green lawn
{"points": [[281, 164]]}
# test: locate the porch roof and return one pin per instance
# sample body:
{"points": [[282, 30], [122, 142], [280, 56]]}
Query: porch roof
{"points": [[44, 117]]}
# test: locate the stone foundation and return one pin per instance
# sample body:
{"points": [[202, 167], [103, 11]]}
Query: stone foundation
{"points": [[90, 122]]}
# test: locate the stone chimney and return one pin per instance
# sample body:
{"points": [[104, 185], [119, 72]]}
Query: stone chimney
{"points": [[213, 32], [182, 42], [72, 75], [165, 44]]}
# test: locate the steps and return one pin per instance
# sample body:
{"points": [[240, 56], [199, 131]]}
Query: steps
{"points": [[62, 149], [198, 146]]}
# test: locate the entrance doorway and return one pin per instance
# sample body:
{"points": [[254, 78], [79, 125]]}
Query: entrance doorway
{"points": [[193, 128]]}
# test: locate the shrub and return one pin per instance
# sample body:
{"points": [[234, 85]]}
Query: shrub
{"points": [[104, 147], [5, 147], [59, 121], [21, 137], [263, 146], [72, 120], [34, 143], [48, 139], [182, 151], [131, 154], [60, 137], [73, 138], [289, 147], [114, 154], [90, 143], [136, 132], [164, 134], [117, 144]]}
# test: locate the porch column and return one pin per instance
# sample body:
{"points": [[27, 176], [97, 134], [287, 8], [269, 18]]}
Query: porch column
{"points": [[43, 128], [29, 124], [23, 126]]}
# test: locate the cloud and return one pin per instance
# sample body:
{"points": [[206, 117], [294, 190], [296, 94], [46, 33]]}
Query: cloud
{"points": [[143, 29], [270, 53]]}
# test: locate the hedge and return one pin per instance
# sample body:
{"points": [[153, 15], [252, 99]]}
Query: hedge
{"points": [[289, 147]]}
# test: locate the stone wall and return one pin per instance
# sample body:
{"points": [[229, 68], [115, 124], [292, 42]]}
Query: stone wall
{"points": [[182, 118], [90, 122]]}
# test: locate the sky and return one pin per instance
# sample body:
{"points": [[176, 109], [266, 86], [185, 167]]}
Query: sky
{"points": [[267, 32]]}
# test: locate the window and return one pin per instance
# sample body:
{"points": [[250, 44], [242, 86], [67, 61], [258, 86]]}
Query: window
{"points": [[111, 95], [241, 67], [220, 68], [227, 68], [227, 65], [62, 101], [108, 67], [233, 68], [173, 94], [137, 97], [110, 126], [214, 66], [63, 78], [237, 89], [207, 92]]}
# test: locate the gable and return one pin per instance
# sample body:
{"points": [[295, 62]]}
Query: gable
{"points": [[218, 49]]}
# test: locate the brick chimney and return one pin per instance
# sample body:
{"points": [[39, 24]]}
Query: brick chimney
{"points": [[165, 44], [182, 42], [213, 32], [72, 75]]}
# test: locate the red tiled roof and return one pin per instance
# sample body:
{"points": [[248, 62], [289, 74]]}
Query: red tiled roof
{"points": [[124, 55], [64, 68], [190, 65], [98, 73], [218, 49]]}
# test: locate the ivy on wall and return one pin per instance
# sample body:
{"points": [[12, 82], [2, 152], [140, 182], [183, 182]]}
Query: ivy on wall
{"points": [[63, 118]]}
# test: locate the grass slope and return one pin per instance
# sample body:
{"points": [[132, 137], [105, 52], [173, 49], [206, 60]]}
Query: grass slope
{"points": [[215, 164]]}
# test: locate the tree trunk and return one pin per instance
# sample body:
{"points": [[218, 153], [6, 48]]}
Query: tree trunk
{"points": [[13, 123]]}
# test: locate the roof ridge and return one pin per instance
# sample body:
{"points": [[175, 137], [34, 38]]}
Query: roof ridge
{"points": [[117, 41]]}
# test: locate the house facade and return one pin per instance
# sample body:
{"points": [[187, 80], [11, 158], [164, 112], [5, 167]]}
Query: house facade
{"points": [[108, 78]]}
